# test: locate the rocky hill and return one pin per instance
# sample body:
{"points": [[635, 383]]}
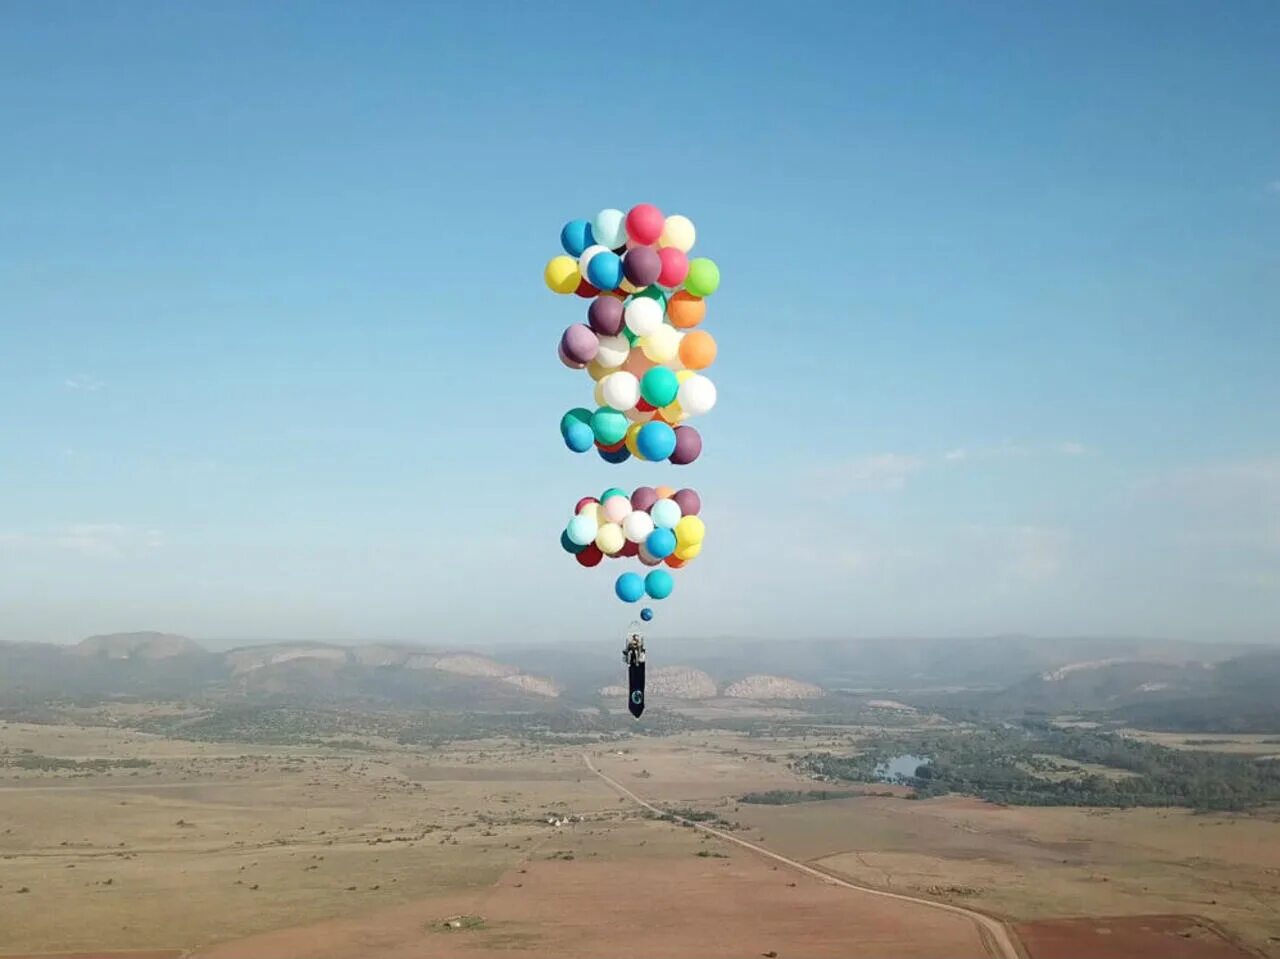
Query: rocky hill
{"points": [[680, 682], [772, 687], [143, 645]]}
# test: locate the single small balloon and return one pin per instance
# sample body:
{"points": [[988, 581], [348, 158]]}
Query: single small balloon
{"points": [[642, 266], [637, 526], [662, 345], [610, 228], [612, 352], [666, 514], [697, 395], [643, 497], [690, 531], [609, 538], [678, 231], [674, 267], [605, 270], [661, 543], [645, 224], [617, 509], [609, 426], [578, 437], [569, 545], [604, 315], [579, 343], [646, 614], [614, 456], [655, 441], [620, 390], [658, 584], [688, 446], [642, 315], [659, 387], [686, 310], [581, 530], [562, 274], [576, 237], [697, 350], [591, 556], [703, 278], [688, 499]]}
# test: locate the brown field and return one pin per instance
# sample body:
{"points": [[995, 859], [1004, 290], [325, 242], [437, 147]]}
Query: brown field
{"points": [[1243, 744], [1161, 937], [233, 850]]}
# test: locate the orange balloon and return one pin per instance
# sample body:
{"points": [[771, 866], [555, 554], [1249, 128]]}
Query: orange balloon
{"points": [[665, 492], [636, 363], [674, 562], [697, 350], [686, 310]]}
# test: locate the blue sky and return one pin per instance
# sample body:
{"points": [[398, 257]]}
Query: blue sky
{"points": [[999, 323]]}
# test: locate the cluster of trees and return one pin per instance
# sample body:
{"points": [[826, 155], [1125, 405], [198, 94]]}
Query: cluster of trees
{"points": [[54, 763], [789, 797], [1008, 764]]}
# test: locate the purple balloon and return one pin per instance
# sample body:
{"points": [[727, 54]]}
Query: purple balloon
{"points": [[642, 266], [647, 557], [605, 315], [689, 502], [565, 359], [579, 343], [688, 446], [643, 498]]}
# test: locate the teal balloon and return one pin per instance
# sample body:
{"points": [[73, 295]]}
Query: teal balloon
{"points": [[577, 415], [612, 491], [659, 388], [629, 587], [569, 545], [581, 531], [656, 441], [609, 426], [654, 293], [579, 437], [659, 584], [661, 543], [665, 513]]}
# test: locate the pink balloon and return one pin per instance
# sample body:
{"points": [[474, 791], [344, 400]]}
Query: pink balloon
{"points": [[675, 267], [645, 223], [636, 363], [617, 508]]}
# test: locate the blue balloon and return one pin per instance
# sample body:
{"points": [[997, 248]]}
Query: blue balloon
{"points": [[578, 436], [646, 614], [659, 584], [604, 270], [661, 543], [569, 545], [620, 455], [629, 587], [576, 237], [656, 441]]}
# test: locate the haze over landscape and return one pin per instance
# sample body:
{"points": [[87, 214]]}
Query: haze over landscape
{"points": [[982, 656]]}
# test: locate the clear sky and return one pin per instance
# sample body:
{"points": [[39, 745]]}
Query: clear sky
{"points": [[999, 322]]}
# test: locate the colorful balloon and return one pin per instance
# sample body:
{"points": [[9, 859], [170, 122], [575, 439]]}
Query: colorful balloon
{"points": [[617, 509], [610, 228], [620, 390], [604, 315], [678, 232], [637, 526], [585, 290], [612, 352], [643, 498], [605, 270], [703, 278], [664, 492], [661, 543], [662, 345], [688, 499], [673, 267], [583, 502], [581, 530], [590, 556], [687, 553], [646, 614], [638, 421], [686, 310], [690, 530], [696, 395], [666, 514], [579, 343], [564, 358], [642, 315], [697, 350], [576, 237], [629, 587], [645, 223], [609, 538], [688, 446], [562, 274], [658, 584], [578, 437], [569, 545], [641, 266], [656, 440], [609, 426], [618, 455], [611, 492], [659, 387], [646, 557]]}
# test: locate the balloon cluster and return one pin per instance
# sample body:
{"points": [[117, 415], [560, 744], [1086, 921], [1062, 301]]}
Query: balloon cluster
{"points": [[639, 342], [656, 525]]}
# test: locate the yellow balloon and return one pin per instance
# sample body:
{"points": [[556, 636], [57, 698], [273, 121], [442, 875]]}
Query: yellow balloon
{"points": [[562, 274], [678, 231], [662, 345], [609, 539], [682, 375], [687, 553], [626, 286], [598, 394], [597, 372], [630, 439], [672, 413], [690, 531], [592, 510]]}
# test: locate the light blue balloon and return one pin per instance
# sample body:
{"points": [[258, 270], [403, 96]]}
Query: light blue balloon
{"points": [[661, 543], [656, 441], [576, 237], [604, 270], [646, 614], [659, 584], [582, 531], [665, 513], [610, 229], [629, 587], [579, 437]]}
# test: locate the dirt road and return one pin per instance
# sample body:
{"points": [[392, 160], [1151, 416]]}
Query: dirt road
{"points": [[995, 934]]}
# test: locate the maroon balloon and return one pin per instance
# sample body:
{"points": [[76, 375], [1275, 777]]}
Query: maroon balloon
{"points": [[643, 498], [688, 446], [605, 315], [630, 549], [590, 556], [642, 265], [583, 502], [689, 502], [579, 343], [565, 359]]}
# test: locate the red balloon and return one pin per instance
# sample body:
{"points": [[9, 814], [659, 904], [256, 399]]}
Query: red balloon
{"points": [[590, 556], [645, 223], [613, 448], [583, 502], [675, 267], [673, 561], [645, 407], [586, 290], [630, 549]]}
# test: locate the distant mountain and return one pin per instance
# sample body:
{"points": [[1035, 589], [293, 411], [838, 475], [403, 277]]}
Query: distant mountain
{"points": [[144, 645], [772, 687]]}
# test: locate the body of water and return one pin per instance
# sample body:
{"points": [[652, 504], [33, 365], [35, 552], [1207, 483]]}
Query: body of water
{"points": [[899, 768]]}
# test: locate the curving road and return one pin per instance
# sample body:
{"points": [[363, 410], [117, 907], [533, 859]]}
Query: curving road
{"points": [[995, 934]]}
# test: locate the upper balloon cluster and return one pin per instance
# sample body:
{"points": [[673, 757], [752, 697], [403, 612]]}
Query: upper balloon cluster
{"points": [[639, 342]]}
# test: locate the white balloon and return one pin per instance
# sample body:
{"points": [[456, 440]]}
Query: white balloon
{"points": [[665, 513], [621, 390], [581, 530], [610, 228], [643, 315], [613, 351], [678, 231], [637, 526], [662, 345], [697, 395], [587, 254]]}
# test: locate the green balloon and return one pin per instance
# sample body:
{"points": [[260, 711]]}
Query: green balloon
{"points": [[611, 491], [659, 387], [577, 415], [654, 293], [703, 278], [631, 337], [608, 425]]}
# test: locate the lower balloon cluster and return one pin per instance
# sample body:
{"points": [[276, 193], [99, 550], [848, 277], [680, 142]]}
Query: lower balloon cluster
{"points": [[659, 526]]}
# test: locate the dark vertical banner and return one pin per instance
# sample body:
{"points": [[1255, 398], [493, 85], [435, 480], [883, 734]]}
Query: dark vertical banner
{"points": [[635, 695]]}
